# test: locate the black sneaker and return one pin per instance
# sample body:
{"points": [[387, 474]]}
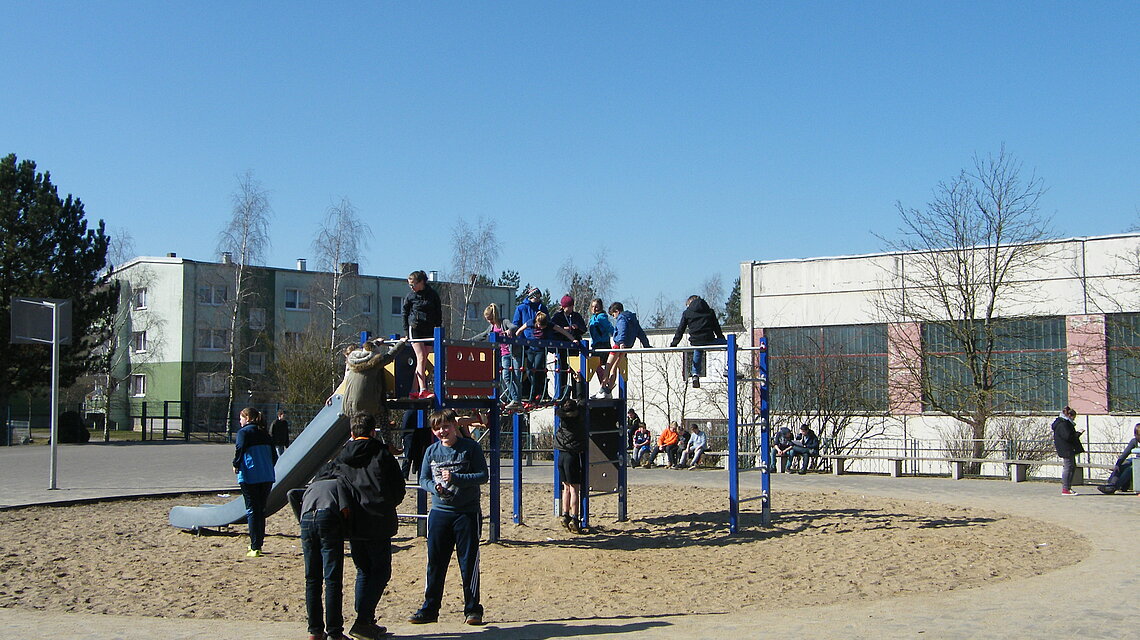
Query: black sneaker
{"points": [[364, 631], [423, 617], [473, 620], [696, 382], [1106, 489]]}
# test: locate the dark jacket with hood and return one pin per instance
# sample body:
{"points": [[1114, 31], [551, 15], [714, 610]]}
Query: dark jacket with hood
{"points": [[571, 435], [701, 321], [1066, 439], [376, 486], [422, 309]]}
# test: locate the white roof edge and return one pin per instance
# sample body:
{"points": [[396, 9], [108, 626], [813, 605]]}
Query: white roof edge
{"points": [[857, 256]]}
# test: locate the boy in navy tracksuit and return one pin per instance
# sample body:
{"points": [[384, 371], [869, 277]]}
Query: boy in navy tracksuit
{"points": [[452, 470], [254, 458]]}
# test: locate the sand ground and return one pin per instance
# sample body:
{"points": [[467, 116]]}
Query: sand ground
{"points": [[674, 556]]}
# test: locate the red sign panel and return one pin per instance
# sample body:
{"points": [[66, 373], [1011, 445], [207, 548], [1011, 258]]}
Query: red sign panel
{"points": [[469, 371]]}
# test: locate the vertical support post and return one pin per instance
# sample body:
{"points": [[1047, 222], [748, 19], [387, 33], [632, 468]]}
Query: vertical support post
{"points": [[584, 460], [733, 441], [623, 463], [516, 486], [438, 371], [765, 436], [54, 392], [421, 495], [494, 472], [558, 507]]}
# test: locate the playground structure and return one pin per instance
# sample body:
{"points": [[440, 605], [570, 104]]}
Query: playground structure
{"points": [[466, 376]]}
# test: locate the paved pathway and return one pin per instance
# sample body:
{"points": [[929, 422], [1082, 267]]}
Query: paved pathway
{"points": [[1094, 598]]}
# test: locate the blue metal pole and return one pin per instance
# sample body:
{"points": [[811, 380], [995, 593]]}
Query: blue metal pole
{"points": [[765, 437], [517, 480], [438, 371], [584, 460], [494, 472], [733, 442]]}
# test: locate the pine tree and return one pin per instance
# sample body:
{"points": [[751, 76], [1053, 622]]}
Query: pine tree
{"points": [[47, 251]]}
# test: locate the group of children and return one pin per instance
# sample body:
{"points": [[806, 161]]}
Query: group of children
{"points": [[354, 498]]}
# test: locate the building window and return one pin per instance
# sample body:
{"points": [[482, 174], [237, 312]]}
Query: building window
{"points": [[257, 362], [842, 367], [1123, 339], [138, 385], [472, 311], [213, 384], [397, 306], [297, 300], [1027, 367], [366, 303], [140, 298], [212, 295], [257, 318], [293, 338], [138, 341], [212, 339]]}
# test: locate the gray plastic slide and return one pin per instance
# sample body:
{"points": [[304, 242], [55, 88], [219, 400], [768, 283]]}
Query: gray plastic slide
{"points": [[316, 445]]}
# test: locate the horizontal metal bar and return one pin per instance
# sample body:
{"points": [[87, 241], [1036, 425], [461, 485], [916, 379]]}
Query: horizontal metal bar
{"points": [[711, 347]]}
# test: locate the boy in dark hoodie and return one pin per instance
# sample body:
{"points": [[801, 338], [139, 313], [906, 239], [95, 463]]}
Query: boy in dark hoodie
{"points": [[704, 329], [376, 486]]}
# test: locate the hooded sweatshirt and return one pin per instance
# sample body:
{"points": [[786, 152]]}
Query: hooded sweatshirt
{"points": [[376, 487], [701, 321]]}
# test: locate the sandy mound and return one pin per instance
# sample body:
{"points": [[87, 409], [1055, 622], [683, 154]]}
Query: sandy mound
{"points": [[673, 556]]}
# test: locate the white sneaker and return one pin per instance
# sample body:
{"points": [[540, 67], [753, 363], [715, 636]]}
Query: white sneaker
{"points": [[604, 394]]}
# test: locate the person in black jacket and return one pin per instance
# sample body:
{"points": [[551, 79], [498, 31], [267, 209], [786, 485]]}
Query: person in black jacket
{"points": [[280, 432], [804, 448], [376, 487], [1067, 440], [423, 312], [704, 329], [570, 442], [1121, 478]]}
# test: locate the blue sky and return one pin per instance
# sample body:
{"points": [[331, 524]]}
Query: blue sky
{"points": [[681, 138]]}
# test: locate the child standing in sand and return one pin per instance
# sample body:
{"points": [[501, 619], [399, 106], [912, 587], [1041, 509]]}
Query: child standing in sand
{"points": [[452, 470]]}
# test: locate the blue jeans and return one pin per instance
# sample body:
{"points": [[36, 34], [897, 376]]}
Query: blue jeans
{"points": [[699, 356], [458, 530], [256, 497], [322, 541], [510, 376], [535, 359], [373, 560]]}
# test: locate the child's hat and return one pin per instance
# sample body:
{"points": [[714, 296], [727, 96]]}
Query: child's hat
{"points": [[567, 301]]}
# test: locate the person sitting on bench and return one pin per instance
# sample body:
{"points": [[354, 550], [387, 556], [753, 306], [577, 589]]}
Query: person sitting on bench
{"points": [[667, 442], [783, 450], [1121, 478], [694, 448], [804, 448]]}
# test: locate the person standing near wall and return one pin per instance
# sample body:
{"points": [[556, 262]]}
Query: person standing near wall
{"points": [[279, 430], [1067, 440]]}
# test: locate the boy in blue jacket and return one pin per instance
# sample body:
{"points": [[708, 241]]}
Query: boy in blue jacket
{"points": [[452, 470], [627, 330]]}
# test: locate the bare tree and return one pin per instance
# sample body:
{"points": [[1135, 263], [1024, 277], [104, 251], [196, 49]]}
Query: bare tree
{"points": [[666, 312], [474, 251], [243, 243], [305, 370], [962, 271], [712, 290], [830, 391], [669, 392], [586, 284], [337, 250]]}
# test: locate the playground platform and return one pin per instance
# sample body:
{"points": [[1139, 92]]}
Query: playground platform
{"points": [[1089, 599]]}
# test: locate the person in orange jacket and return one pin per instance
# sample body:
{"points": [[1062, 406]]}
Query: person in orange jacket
{"points": [[668, 442]]}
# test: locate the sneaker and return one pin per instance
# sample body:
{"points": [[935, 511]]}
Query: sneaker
{"points": [[318, 636], [423, 617], [1106, 489], [514, 405], [1068, 492], [566, 521], [366, 631], [573, 526], [603, 394], [696, 382], [473, 620], [253, 553], [427, 395]]}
